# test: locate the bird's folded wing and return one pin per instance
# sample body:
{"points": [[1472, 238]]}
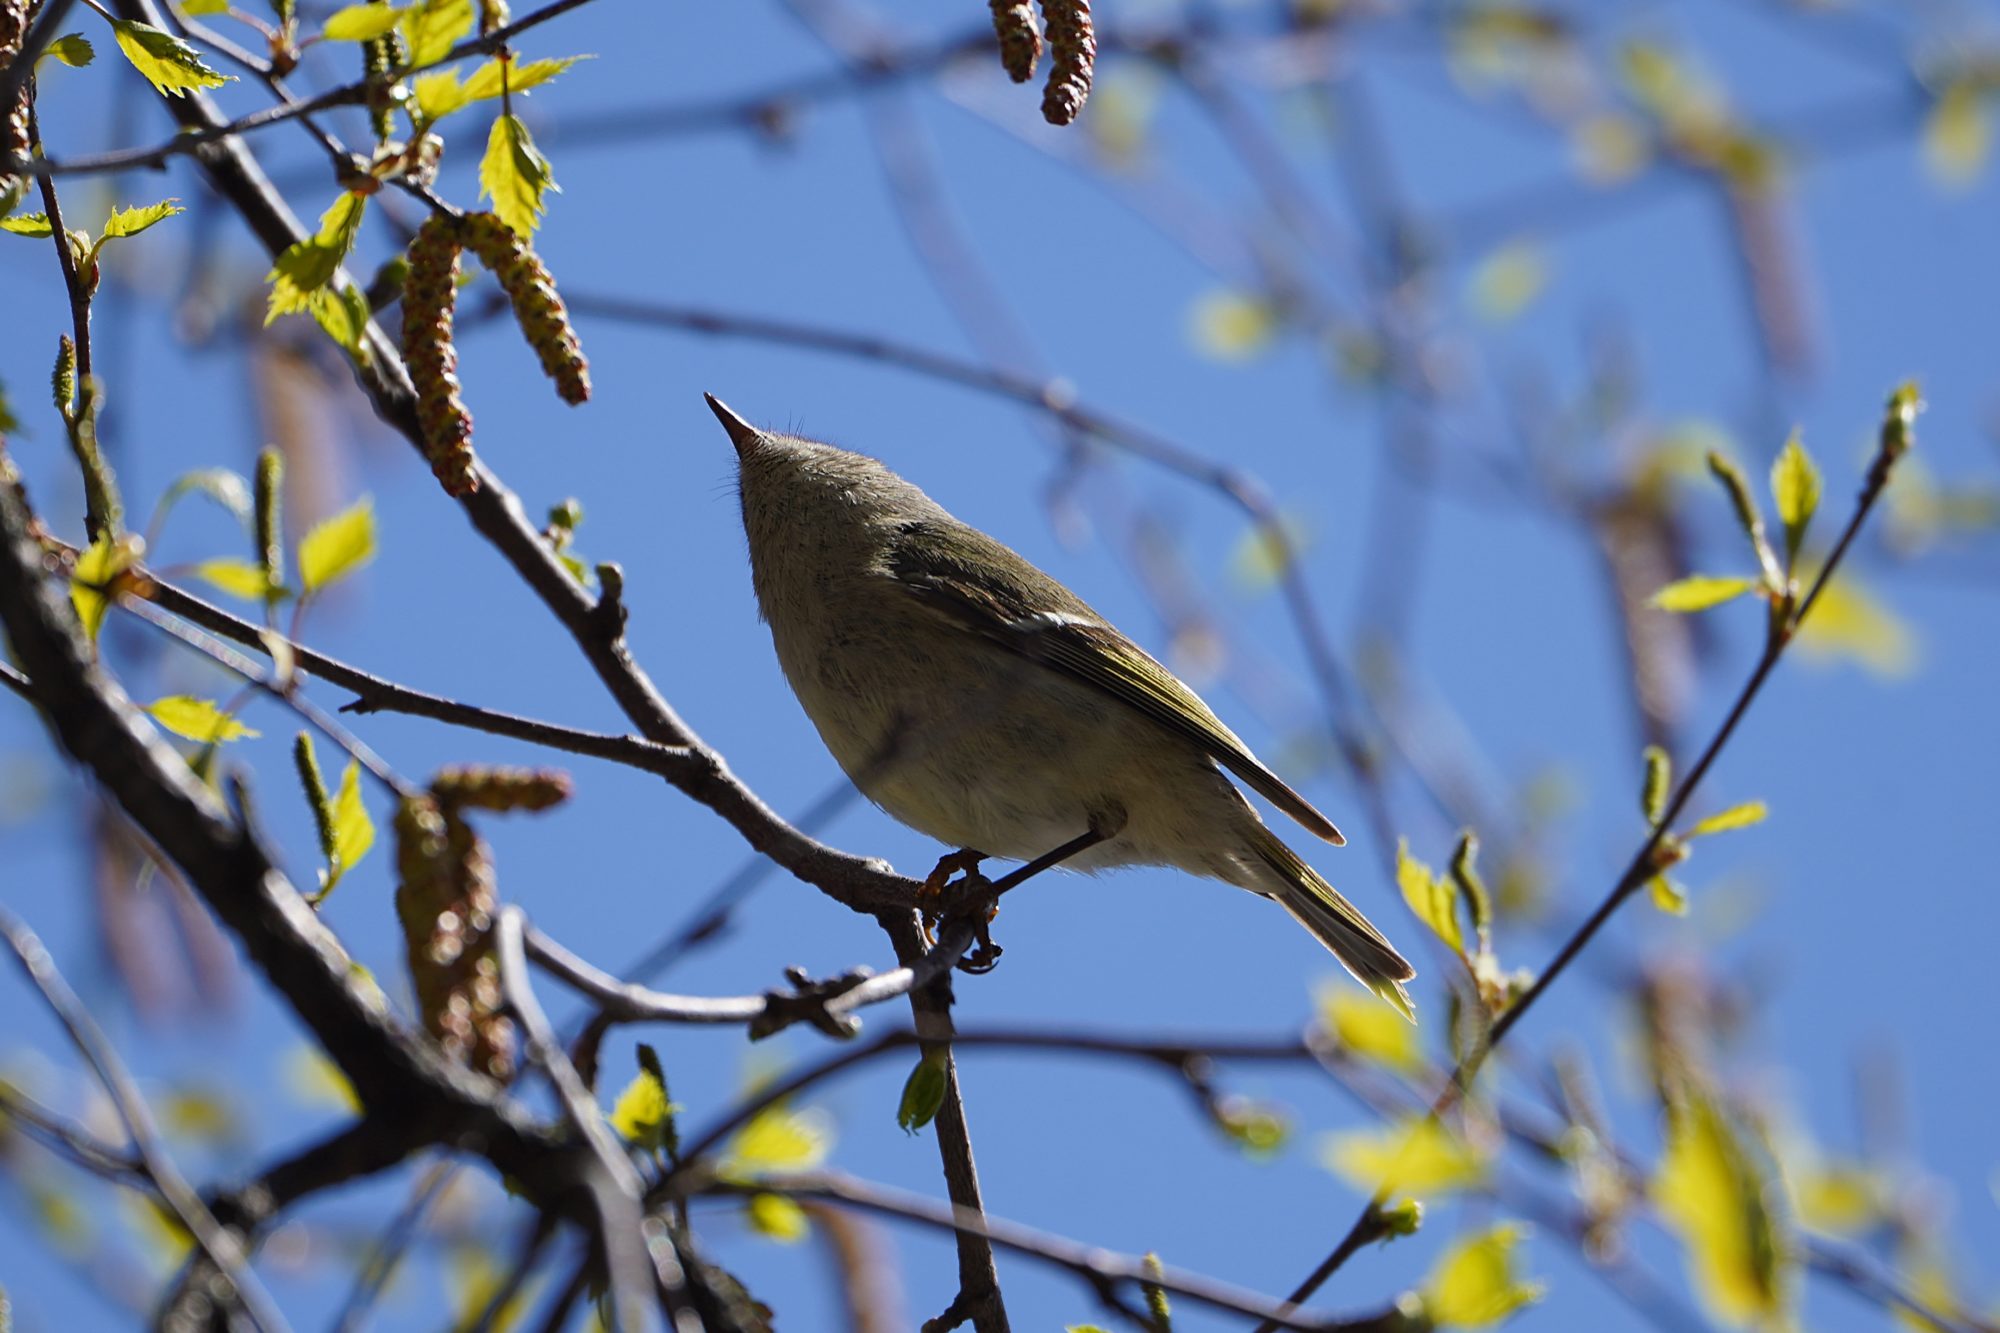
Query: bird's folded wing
{"points": [[1073, 639]]}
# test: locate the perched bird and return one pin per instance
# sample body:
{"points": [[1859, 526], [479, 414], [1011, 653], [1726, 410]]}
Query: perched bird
{"points": [[984, 704]]}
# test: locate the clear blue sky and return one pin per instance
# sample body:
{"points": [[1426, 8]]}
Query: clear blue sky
{"points": [[1860, 916]]}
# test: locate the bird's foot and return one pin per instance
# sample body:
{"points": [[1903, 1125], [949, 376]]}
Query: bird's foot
{"points": [[931, 905]]}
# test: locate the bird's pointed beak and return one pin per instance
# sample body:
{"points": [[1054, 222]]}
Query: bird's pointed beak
{"points": [[741, 433]]}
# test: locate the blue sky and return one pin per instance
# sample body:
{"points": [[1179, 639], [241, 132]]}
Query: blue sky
{"points": [[1859, 916]]}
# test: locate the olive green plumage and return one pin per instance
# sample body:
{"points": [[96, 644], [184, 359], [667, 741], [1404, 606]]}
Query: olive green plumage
{"points": [[979, 701]]}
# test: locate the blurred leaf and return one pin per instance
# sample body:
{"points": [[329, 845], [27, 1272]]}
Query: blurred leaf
{"points": [[1847, 622], [1711, 1192], [132, 221], [643, 1115], [1432, 898], [1123, 106], [162, 1238], [238, 578], [197, 9], [1259, 1128], [201, 1114], [1232, 326], [72, 49], [923, 1091], [1610, 147], [1795, 485], [1367, 1028], [97, 567], [1474, 1285], [1509, 280], [219, 484], [171, 65], [515, 176], [1924, 1272], [1261, 556], [197, 719], [778, 1138], [360, 23], [1659, 778], [433, 27], [1735, 817], [1667, 895], [1839, 1199], [353, 830], [777, 1218], [1958, 134], [1699, 592], [316, 1081], [337, 546], [1416, 1156]]}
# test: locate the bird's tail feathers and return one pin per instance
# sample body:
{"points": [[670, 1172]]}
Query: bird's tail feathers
{"points": [[1334, 921]]}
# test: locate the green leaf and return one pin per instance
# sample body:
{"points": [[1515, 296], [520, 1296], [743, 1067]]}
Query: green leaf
{"points": [[1795, 485], [485, 81], [97, 567], [337, 546], [353, 830], [777, 1138], [1473, 1284], [1415, 1156], [72, 49], [198, 9], [1667, 895], [343, 314], [1653, 792], [515, 176], [1848, 622], [1370, 1030], [1736, 816], [643, 1115], [1714, 1195], [433, 27], [171, 65], [132, 221], [197, 719], [238, 578], [360, 23], [28, 224], [923, 1092], [437, 94], [1433, 899], [1699, 592], [309, 265]]}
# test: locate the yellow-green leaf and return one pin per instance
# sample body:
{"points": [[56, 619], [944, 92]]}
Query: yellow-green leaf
{"points": [[1232, 326], [308, 266], [1847, 622], [1368, 1029], [28, 224], [437, 94], [1712, 1194], [778, 1138], [433, 27], [360, 23], [1432, 897], [1699, 592], [337, 546], [1958, 134], [315, 1081], [1474, 1285], [72, 49], [198, 9], [642, 1112], [777, 1218], [238, 578], [1509, 280], [485, 81], [1653, 792], [197, 719], [343, 313], [132, 221], [96, 568], [1668, 895], [1840, 1199], [923, 1091], [353, 830], [1417, 1156], [1795, 485], [1736, 816], [515, 176], [171, 65]]}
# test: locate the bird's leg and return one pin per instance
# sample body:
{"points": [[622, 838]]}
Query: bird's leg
{"points": [[930, 898], [985, 953]]}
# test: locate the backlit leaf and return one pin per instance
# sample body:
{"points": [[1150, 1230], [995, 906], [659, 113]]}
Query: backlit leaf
{"points": [[1736, 816], [1667, 895], [1232, 326], [97, 567], [132, 221], [353, 830], [238, 578], [1474, 1285], [1699, 592], [1368, 1029], [1509, 280], [515, 176], [337, 546], [1847, 622], [308, 266], [1417, 1156], [1712, 1193], [28, 224], [485, 81], [1958, 134], [778, 1138], [776, 1217], [196, 719], [642, 1115], [171, 65], [1432, 897], [360, 23], [1795, 485], [433, 27], [72, 49]]}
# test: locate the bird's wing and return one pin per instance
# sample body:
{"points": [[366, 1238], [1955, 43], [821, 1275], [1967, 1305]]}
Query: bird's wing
{"points": [[961, 572]]}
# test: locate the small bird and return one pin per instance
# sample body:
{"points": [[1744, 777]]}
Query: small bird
{"points": [[982, 703]]}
